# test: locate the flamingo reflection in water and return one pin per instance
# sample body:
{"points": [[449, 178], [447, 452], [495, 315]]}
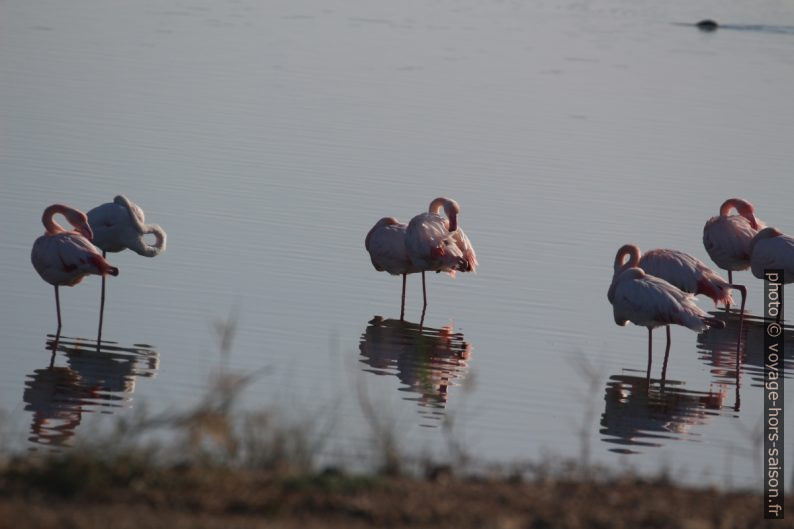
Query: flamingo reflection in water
{"points": [[427, 361], [729, 362], [92, 381], [643, 413]]}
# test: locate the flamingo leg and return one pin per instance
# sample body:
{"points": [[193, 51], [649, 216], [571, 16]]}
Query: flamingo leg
{"points": [[666, 357], [650, 354], [402, 306], [102, 309], [424, 292], [743, 291], [58, 309]]}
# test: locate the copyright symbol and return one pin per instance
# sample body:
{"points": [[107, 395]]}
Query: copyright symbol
{"points": [[773, 330]]}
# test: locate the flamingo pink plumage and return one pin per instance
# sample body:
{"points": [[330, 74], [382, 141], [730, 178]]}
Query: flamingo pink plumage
{"points": [[727, 237], [65, 257], [680, 269], [651, 302], [385, 243], [771, 249], [437, 244]]}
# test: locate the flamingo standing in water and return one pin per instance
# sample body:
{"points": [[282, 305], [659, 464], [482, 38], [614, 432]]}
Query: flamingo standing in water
{"points": [[680, 269], [727, 237], [385, 243], [119, 225], [771, 249], [437, 244], [65, 257], [651, 302]]}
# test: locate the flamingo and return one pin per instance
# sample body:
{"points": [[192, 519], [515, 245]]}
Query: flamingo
{"points": [[682, 270], [771, 249], [119, 225], [65, 257], [437, 244], [727, 237], [651, 302], [385, 243]]}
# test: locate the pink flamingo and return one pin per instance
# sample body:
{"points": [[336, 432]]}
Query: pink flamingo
{"points": [[651, 302], [118, 226], [682, 270], [727, 237], [385, 243], [437, 244], [772, 249], [65, 257]]}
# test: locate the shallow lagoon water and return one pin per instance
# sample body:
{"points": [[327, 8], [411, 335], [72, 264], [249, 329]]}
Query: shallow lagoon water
{"points": [[268, 137]]}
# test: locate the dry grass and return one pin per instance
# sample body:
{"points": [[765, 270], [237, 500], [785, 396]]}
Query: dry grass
{"points": [[81, 491]]}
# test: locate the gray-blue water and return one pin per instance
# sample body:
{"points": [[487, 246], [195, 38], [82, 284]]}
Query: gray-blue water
{"points": [[268, 137]]}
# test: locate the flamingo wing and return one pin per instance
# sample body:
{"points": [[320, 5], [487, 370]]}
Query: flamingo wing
{"points": [[65, 258], [431, 246], [112, 227], [387, 250], [467, 250], [677, 268], [774, 252], [650, 301], [727, 241]]}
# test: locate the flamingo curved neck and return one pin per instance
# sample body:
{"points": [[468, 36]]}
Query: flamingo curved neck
{"points": [[437, 204], [634, 258], [450, 210], [141, 247], [75, 217], [123, 201], [742, 207], [47, 219]]}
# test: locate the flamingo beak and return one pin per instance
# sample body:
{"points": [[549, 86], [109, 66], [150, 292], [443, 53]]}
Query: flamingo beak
{"points": [[453, 223], [753, 221]]}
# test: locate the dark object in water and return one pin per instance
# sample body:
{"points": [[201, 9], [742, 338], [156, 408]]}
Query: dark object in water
{"points": [[707, 25]]}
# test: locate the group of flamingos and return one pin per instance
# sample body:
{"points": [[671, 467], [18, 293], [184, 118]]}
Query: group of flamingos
{"points": [[650, 290], [659, 287], [64, 257], [429, 242]]}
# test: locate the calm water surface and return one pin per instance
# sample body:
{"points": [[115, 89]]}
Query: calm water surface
{"points": [[268, 137]]}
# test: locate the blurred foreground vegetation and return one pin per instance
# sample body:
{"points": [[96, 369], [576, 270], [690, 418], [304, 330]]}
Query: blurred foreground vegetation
{"points": [[223, 469], [79, 489], [218, 467]]}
